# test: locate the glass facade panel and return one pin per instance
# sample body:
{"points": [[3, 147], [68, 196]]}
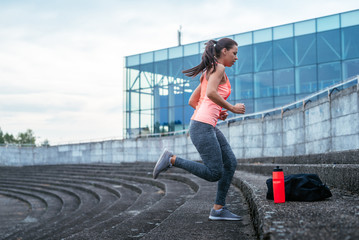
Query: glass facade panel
{"points": [[146, 57], [244, 39], [262, 56], [190, 62], [146, 122], [328, 46], [329, 74], [350, 18], [163, 97], [191, 49], [160, 72], [303, 58], [306, 79], [350, 68], [175, 68], [133, 79], [135, 120], [284, 82], [350, 43], [284, 31], [283, 53], [305, 27], [175, 117], [202, 46], [175, 52], [146, 77], [262, 104], [263, 84], [244, 86], [146, 98], [328, 23], [135, 100], [264, 35], [164, 116], [132, 60], [305, 50], [244, 63], [283, 100], [161, 55]]}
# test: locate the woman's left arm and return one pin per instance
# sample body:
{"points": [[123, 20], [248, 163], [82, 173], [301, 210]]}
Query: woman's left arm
{"points": [[194, 99]]}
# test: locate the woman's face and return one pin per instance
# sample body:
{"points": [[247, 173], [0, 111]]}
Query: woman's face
{"points": [[230, 56]]}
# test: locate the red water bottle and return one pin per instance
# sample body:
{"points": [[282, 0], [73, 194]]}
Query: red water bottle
{"points": [[278, 185]]}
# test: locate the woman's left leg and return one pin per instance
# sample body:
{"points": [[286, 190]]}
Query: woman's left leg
{"points": [[229, 167]]}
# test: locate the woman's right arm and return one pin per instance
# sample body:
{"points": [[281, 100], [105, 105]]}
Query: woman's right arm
{"points": [[212, 93]]}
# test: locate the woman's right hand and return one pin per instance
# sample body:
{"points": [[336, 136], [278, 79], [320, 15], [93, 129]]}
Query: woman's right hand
{"points": [[239, 108]]}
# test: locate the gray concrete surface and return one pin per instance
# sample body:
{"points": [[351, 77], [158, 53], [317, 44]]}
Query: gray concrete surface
{"points": [[336, 218]]}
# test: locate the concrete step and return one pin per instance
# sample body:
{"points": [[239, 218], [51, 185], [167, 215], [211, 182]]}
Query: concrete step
{"points": [[343, 176], [18, 209], [134, 224], [336, 218], [190, 221], [137, 167], [54, 199], [77, 200], [128, 198], [106, 198], [49, 203], [50, 177]]}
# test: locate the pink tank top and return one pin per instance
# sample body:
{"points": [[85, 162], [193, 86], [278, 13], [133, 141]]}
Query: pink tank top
{"points": [[207, 111]]}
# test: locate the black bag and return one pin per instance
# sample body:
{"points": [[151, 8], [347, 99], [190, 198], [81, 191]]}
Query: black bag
{"points": [[301, 187]]}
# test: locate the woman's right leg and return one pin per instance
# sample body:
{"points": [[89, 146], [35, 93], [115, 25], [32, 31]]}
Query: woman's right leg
{"points": [[205, 140]]}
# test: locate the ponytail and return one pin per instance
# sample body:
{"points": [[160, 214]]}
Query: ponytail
{"points": [[209, 57]]}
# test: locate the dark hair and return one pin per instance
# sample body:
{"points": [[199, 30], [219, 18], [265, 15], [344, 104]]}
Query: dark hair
{"points": [[210, 55]]}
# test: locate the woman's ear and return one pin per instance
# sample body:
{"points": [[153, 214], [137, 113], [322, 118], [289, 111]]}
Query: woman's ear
{"points": [[224, 51]]}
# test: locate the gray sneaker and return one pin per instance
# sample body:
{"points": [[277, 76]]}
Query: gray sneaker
{"points": [[224, 214], [163, 163]]}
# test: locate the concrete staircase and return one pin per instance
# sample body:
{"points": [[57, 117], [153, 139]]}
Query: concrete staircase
{"points": [[122, 201], [113, 202]]}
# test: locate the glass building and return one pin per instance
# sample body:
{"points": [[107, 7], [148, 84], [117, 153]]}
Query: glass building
{"points": [[275, 66]]}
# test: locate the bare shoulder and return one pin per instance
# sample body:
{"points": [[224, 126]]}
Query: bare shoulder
{"points": [[220, 68]]}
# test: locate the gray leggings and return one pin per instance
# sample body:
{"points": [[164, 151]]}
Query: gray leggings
{"points": [[217, 156]]}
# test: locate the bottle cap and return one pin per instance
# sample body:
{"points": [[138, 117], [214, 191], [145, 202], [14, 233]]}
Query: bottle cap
{"points": [[277, 169]]}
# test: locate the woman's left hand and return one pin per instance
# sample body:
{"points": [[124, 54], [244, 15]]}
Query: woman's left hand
{"points": [[223, 115]]}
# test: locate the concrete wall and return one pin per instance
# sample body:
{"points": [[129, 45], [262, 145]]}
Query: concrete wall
{"points": [[330, 124]]}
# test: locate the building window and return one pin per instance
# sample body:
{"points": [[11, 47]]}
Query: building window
{"points": [[305, 50], [329, 74], [284, 82], [262, 56], [329, 46], [263, 84], [306, 79], [283, 53]]}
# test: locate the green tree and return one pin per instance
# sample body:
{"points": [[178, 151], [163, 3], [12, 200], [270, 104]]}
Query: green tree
{"points": [[9, 138], [2, 140], [26, 137]]}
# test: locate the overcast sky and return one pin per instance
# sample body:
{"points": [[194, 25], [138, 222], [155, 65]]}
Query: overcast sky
{"points": [[61, 61]]}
